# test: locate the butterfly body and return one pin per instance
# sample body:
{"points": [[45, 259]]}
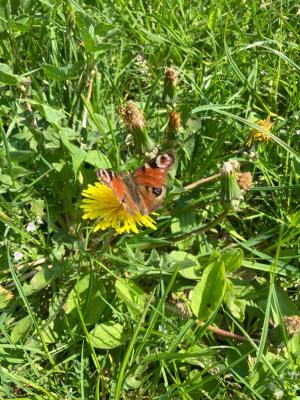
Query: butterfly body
{"points": [[144, 190]]}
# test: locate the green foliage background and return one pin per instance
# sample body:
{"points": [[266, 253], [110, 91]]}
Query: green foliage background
{"points": [[87, 315]]}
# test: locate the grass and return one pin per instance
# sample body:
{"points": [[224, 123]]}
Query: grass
{"points": [[207, 305]]}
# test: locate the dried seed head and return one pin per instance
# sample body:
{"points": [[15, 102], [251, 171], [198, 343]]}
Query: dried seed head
{"points": [[170, 86], [135, 122], [245, 180], [171, 76], [230, 167], [174, 121], [132, 117], [292, 324]]}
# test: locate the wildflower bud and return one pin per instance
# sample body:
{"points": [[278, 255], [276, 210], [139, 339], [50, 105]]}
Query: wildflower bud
{"points": [[170, 86], [257, 135], [25, 80], [173, 127], [230, 190], [245, 180], [135, 122], [253, 156]]}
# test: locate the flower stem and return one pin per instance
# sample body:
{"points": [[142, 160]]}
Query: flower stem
{"points": [[201, 181], [173, 308]]}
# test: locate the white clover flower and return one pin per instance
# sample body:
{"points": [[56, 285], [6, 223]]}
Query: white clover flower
{"points": [[30, 227], [18, 256]]}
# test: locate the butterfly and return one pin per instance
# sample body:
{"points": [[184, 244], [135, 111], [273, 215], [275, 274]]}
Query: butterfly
{"points": [[144, 190]]}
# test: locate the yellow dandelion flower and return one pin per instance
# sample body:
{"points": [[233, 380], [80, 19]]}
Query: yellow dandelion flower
{"points": [[256, 135], [101, 203]]}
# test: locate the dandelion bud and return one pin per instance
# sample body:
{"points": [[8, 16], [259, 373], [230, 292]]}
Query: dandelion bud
{"points": [[135, 122], [230, 190], [245, 180], [257, 135], [170, 86], [173, 127]]}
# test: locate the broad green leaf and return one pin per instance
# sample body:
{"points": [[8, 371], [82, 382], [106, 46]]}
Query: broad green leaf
{"points": [[78, 155], [88, 294], [232, 356], [136, 376], [68, 72], [44, 277], [132, 295], [21, 25], [97, 159], [21, 155], [21, 329], [6, 75], [237, 308], [232, 259], [287, 307], [209, 292], [53, 331], [52, 115], [235, 305], [11, 357], [108, 335], [189, 266], [102, 29]]}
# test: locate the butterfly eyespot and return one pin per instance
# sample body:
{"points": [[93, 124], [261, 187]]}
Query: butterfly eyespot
{"points": [[156, 191], [165, 160]]}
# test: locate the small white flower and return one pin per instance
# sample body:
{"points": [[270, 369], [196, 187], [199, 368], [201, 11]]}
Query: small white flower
{"points": [[279, 394], [298, 132], [40, 221], [162, 329], [30, 227], [18, 256]]}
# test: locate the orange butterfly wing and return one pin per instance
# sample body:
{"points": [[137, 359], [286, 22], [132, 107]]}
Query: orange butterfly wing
{"points": [[144, 190], [151, 180]]}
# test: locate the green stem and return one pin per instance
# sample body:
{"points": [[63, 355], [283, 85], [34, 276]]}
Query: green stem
{"points": [[5, 141]]}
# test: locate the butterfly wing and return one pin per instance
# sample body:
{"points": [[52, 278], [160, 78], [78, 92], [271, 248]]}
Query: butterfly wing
{"points": [[150, 182], [123, 187], [144, 190]]}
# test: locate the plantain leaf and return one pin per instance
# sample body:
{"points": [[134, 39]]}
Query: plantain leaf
{"points": [[232, 259], [21, 329], [189, 266], [209, 292], [108, 335], [88, 293], [132, 295]]}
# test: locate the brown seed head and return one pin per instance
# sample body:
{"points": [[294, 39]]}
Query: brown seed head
{"points": [[171, 76], [132, 117], [245, 180], [174, 121], [292, 324]]}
